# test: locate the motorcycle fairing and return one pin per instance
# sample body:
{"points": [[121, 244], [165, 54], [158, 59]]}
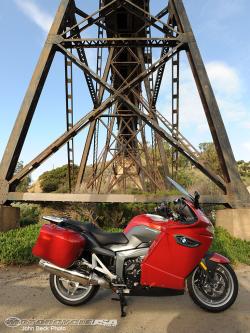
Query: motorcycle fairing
{"points": [[162, 266], [147, 220]]}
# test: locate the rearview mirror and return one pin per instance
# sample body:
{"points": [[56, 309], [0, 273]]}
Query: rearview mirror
{"points": [[196, 199]]}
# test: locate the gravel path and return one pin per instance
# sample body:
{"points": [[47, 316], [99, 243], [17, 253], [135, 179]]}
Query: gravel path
{"points": [[25, 294]]}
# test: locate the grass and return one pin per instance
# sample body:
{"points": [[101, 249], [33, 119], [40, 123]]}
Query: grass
{"points": [[237, 250], [16, 245]]}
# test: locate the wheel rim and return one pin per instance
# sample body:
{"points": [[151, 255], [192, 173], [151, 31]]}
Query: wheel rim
{"points": [[70, 290], [217, 293]]}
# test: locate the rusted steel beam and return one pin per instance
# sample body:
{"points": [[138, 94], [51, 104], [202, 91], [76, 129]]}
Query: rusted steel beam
{"points": [[109, 198], [92, 19], [24, 118], [125, 89], [120, 42], [69, 116], [100, 173], [149, 121], [148, 157], [184, 142], [235, 186], [147, 17], [90, 116], [133, 82], [161, 70], [162, 13], [163, 154], [175, 110], [82, 56], [133, 158], [84, 15], [146, 118], [82, 123], [92, 127], [103, 166], [85, 155]]}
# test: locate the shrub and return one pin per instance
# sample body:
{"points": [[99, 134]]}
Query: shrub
{"points": [[49, 185], [119, 214], [56, 180], [16, 245], [29, 214], [235, 249]]}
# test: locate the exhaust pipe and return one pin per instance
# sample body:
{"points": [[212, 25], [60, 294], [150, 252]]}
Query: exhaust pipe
{"points": [[74, 276]]}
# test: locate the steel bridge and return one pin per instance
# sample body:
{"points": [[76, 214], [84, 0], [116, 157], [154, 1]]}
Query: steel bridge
{"points": [[133, 47]]}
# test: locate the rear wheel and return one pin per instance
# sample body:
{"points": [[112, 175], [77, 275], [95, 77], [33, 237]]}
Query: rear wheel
{"points": [[71, 293], [213, 294]]}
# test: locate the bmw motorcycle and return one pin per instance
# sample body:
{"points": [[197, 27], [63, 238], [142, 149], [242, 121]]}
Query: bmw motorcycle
{"points": [[153, 251]]}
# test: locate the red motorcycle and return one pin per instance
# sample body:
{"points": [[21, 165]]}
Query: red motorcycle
{"points": [[153, 252]]}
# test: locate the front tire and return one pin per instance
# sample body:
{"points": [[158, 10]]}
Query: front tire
{"points": [[214, 295], [71, 293]]}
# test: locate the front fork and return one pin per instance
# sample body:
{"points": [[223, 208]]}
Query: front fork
{"points": [[210, 262]]}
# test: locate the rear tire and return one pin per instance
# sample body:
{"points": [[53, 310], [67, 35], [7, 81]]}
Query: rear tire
{"points": [[71, 293], [218, 295]]}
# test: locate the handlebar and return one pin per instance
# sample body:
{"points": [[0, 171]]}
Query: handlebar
{"points": [[164, 210], [183, 213]]}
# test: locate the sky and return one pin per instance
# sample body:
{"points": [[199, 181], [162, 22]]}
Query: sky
{"points": [[221, 28]]}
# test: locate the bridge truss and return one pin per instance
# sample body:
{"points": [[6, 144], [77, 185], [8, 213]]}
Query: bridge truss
{"points": [[133, 47]]}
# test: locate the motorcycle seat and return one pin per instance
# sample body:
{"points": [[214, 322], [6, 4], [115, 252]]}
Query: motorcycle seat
{"points": [[102, 237]]}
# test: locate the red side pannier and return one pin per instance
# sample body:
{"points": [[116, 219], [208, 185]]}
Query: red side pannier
{"points": [[59, 246]]}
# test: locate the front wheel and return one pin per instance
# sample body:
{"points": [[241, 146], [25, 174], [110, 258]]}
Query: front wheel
{"points": [[216, 293]]}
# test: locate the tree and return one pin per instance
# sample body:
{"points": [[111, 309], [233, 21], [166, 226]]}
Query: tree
{"points": [[23, 186], [244, 170], [56, 180], [209, 156]]}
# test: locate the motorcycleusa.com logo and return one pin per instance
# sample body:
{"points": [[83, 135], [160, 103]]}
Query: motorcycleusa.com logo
{"points": [[56, 325]]}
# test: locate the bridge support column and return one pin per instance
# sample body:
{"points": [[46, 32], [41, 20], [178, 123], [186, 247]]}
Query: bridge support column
{"points": [[9, 218], [236, 221]]}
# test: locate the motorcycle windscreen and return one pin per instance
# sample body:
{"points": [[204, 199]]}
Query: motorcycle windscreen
{"points": [[180, 188]]}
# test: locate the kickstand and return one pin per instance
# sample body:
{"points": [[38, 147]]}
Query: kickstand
{"points": [[123, 302]]}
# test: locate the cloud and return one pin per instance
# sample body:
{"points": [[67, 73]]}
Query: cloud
{"points": [[44, 21], [246, 145], [229, 90], [225, 78], [232, 100], [246, 124], [227, 86], [40, 17]]}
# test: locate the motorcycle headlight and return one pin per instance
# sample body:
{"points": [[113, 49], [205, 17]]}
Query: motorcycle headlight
{"points": [[186, 241]]}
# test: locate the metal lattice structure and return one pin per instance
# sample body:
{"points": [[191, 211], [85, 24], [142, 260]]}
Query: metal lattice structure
{"points": [[124, 91]]}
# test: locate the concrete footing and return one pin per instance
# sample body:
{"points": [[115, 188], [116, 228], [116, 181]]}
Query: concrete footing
{"points": [[9, 218], [236, 221]]}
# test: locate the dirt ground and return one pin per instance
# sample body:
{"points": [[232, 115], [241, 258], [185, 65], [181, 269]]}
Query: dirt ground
{"points": [[25, 294]]}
